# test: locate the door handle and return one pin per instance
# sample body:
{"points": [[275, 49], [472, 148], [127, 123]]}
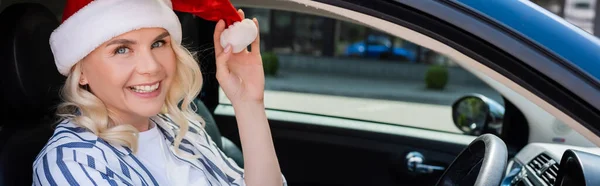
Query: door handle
{"points": [[414, 163]]}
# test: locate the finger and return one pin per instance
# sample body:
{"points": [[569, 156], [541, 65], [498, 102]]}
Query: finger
{"points": [[221, 61], [217, 37], [241, 13], [255, 47], [243, 16]]}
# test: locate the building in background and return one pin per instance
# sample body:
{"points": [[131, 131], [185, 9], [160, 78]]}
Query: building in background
{"points": [[292, 33], [580, 13], [286, 32]]}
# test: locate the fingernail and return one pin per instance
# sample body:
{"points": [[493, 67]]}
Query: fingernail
{"points": [[227, 48]]}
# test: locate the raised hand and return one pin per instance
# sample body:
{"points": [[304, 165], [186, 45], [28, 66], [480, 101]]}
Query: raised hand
{"points": [[240, 75]]}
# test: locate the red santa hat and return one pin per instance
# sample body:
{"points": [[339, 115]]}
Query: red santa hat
{"points": [[89, 23]]}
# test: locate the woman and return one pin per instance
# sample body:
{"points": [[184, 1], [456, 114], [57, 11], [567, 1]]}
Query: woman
{"points": [[128, 118]]}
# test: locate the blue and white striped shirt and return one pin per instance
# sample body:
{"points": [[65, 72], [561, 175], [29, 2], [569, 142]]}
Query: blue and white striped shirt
{"points": [[76, 156]]}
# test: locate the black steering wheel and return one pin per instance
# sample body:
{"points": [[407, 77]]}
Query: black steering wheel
{"points": [[482, 163]]}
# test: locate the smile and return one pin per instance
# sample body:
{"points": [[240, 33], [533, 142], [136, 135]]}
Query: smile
{"points": [[145, 88]]}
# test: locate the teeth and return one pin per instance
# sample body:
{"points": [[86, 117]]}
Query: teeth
{"points": [[145, 88]]}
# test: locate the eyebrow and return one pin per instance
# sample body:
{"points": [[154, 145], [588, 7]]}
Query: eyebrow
{"points": [[121, 42], [161, 36], [130, 42]]}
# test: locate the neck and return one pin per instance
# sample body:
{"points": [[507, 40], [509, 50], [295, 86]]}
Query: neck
{"points": [[141, 123]]}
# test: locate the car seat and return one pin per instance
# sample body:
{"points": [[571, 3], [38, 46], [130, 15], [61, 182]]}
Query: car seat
{"points": [[30, 88]]}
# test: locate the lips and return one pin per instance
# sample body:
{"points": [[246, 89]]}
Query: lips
{"points": [[145, 88]]}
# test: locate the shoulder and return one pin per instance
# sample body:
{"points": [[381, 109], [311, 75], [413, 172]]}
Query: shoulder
{"points": [[76, 156], [68, 135]]}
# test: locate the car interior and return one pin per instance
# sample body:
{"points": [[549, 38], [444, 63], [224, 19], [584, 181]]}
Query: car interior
{"points": [[30, 101], [309, 153]]}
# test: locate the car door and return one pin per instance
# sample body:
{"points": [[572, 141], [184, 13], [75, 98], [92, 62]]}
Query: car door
{"points": [[338, 120]]}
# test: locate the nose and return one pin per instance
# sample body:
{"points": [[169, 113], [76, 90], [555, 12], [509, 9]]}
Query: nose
{"points": [[147, 63]]}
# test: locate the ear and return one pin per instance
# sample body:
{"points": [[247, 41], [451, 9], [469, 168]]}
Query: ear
{"points": [[82, 79]]}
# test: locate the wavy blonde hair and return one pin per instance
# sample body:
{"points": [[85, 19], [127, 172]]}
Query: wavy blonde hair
{"points": [[86, 110]]}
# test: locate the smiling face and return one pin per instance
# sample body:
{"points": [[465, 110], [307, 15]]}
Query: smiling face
{"points": [[132, 73]]}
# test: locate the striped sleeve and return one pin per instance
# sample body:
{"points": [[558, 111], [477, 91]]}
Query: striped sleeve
{"points": [[234, 173], [60, 166]]}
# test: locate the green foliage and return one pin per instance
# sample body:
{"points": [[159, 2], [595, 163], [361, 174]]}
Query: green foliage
{"points": [[270, 63], [436, 77]]}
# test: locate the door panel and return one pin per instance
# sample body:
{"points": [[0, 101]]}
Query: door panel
{"points": [[321, 154], [339, 119]]}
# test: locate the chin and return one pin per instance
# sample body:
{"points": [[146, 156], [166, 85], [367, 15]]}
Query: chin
{"points": [[148, 111], [148, 108]]}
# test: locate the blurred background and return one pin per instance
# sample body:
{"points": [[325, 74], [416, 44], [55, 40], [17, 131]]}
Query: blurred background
{"points": [[308, 56], [580, 13], [287, 32], [320, 65]]}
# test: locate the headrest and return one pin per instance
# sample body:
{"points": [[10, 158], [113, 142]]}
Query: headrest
{"points": [[29, 79]]}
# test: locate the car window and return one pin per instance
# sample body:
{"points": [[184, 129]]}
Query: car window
{"points": [[322, 66]]}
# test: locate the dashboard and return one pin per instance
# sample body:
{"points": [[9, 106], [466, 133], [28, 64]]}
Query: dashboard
{"points": [[542, 164]]}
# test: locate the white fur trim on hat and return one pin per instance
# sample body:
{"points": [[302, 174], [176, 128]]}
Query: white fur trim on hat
{"points": [[102, 20]]}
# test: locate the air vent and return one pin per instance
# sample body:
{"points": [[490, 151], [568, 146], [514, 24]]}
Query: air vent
{"points": [[545, 168]]}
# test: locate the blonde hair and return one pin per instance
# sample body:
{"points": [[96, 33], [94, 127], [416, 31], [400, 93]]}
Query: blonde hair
{"points": [[86, 110]]}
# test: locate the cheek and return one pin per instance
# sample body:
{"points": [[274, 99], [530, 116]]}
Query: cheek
{"points": [[108, 77], [168, 61]]}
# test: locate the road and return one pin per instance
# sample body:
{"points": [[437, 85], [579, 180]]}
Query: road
{"points": [[399, 102], [376, 88]]}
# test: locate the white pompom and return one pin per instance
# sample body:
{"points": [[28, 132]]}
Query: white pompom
{"points": [[239, 35]]}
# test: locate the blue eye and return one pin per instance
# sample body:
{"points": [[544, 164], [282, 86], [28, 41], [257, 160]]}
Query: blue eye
{"points": [[158, 44], [121, 50]]}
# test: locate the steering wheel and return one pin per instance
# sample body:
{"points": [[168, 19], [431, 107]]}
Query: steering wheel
{"points": [[482, 163]]}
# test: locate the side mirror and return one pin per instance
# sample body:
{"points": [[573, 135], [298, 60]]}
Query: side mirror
{"points": [[476, 114]]}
